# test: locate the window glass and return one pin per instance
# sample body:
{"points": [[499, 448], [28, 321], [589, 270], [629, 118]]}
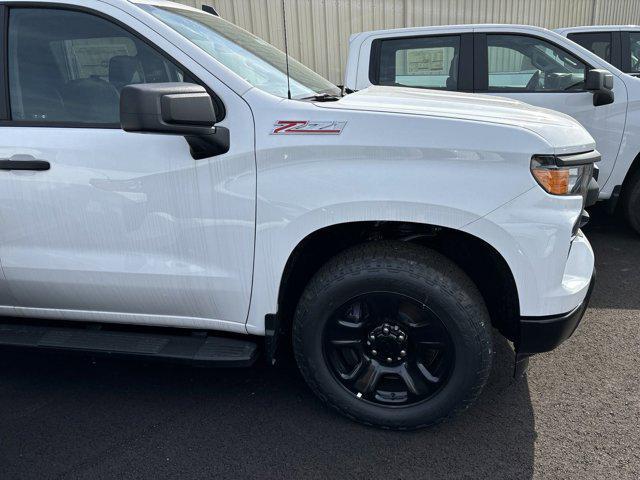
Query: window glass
{"points": [[67, 66], [597, 42], [256, 61], [634, 51], [528, 64], [427, 62]]}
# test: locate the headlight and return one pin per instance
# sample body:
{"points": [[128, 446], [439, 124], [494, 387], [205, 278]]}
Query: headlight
{"points": [[558, 176]]}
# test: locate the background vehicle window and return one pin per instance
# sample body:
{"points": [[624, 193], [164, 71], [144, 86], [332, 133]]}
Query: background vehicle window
{"points": [[598, 43], [428, 62], [634, 52], [67, 66], [521, 63]]}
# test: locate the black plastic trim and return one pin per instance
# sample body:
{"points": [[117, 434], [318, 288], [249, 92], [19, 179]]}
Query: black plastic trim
{"points": [[4, 76], [198, 347], [612, 203], [543, 334], [210, 9], [374, 61], [7, 121], [465, 63], [480, 63], [593, 193], [616, 50], [576, 159], [272, 334], [36, 165]]}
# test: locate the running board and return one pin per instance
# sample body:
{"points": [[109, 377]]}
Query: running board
{"points": [[210, 350]]}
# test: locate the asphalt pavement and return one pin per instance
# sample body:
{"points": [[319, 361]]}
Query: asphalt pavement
{"points": [[576, 415]]}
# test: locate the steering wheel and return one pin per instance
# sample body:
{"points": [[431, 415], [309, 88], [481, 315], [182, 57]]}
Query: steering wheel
{"points": [[534, 82]]}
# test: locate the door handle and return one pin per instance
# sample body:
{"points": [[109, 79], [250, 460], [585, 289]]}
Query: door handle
{"points": [[24, 165]]}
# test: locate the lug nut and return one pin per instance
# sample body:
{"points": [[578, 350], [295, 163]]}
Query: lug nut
{"points": [[372, 337], [403, 353], [395, 327], [389, 359], [385, 330], [401, 338], [373, 352]]}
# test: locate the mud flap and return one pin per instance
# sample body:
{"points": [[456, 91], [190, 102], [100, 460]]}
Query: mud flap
{"points": [[521, 365], [272, 335]]}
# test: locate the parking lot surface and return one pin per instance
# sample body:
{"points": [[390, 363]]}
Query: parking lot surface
{"points": [[575, 415]]}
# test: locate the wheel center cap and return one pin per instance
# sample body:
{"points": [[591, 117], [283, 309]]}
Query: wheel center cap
{"points": [[387, 343]]}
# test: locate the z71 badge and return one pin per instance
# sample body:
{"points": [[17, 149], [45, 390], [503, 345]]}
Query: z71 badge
{"points": [[307, 127]]}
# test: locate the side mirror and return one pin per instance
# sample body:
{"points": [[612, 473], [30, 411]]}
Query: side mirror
{"points": [[600, 82], [174, 109]]}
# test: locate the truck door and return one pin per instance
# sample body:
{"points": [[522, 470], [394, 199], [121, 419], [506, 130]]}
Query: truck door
{"points": [[539, 72], [97, 223]]}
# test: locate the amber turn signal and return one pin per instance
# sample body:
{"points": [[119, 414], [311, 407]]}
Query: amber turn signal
{"points": [[554, 181]]}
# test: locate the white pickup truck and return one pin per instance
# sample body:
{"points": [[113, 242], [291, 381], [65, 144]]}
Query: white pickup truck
{"points": [[163, 195], [526, 63]]}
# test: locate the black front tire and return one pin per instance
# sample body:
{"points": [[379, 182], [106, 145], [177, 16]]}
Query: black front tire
{"points": [[409, 272]]}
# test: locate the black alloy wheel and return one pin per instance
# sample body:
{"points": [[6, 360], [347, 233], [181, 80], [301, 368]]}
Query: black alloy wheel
{"points": [[388, 349]]}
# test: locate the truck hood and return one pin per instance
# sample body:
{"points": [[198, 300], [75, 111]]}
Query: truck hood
{"points": [[561, 131]]}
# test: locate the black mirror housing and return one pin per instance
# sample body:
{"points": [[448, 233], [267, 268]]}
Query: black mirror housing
{"points": [[170, 108], [174, 109], [600, 82]]}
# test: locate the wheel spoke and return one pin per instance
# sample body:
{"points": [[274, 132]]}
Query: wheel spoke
{"points": [[427, 374], [413, 379], [353, 317], [368, 377], [350, 376], [350, 324], [347, 343], [431, 345], [416, 317]]}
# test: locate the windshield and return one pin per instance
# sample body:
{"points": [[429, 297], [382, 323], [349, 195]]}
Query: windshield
{"points": [[250, 57]]}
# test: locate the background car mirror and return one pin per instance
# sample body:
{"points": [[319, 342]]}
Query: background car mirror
{"points": [[174, 109], [600, 82]]}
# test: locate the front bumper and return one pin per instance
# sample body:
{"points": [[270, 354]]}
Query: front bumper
{"points": [[542, 334]]}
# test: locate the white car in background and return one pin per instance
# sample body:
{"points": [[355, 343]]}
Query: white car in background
{"points": [[526, 63], [617, 44]]}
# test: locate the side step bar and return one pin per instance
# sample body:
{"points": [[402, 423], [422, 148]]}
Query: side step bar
{"points": [[210, 350]]}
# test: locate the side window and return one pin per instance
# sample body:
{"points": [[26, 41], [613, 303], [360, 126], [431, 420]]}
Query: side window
{"points": [[597, 42], [634, 52], [519, 63], [68, 66], [427, 62]]}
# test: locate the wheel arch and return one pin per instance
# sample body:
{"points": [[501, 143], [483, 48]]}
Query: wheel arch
{"points": [[487, 268]]}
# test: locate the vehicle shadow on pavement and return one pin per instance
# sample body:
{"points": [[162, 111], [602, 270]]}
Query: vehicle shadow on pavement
{"points": [[618, 274], [68, 416]]}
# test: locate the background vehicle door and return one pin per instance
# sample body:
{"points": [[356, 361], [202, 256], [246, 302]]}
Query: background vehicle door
{"points": [[541, 73], [119, 223]]}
